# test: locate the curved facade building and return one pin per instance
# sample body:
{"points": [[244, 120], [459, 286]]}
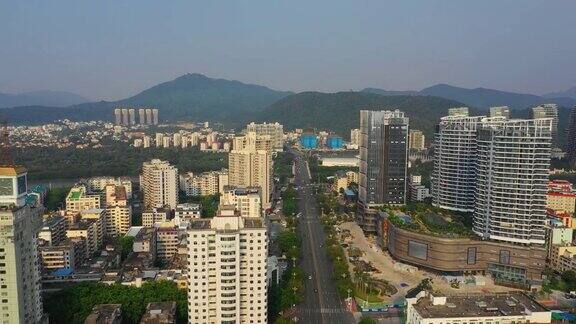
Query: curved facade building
{"points": [[513, 158], [454, 163]]}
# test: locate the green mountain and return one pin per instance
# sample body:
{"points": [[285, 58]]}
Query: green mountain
{"points": [[189, 97], [482, 97], [569, 93], [339, 111]]}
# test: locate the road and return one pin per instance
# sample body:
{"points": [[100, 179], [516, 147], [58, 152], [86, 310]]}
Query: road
{"points": [[321, 302]]}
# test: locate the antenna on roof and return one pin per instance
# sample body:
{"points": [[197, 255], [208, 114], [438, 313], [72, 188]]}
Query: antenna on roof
{"points": [[5, 149]]}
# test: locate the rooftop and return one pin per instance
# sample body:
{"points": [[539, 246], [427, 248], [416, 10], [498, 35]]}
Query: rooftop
{"points": [[480, 305], [200, 224], [103, 313], [253, 223], [161, 312]]}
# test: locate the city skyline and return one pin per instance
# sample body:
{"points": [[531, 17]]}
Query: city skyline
{"points": [[352, 47]]}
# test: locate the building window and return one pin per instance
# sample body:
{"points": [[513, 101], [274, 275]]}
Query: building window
{"points": [[504, 257], [471, 255]]}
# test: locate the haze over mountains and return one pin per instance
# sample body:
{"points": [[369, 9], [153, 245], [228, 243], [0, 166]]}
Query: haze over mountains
{"points": [[195, 97], [44, 98], [484, 98]]}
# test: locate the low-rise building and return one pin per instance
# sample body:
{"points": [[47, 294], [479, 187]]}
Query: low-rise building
{"points": [[561, 201], [87, 229], [247, 201], [59, 256], [186, 212], [503, 308], [342, 180], [53, 230], [155, 215], [167, 239], [418, 192], [145, 241], [160, 313], [204, 184], [105, 313], [78, 200]]}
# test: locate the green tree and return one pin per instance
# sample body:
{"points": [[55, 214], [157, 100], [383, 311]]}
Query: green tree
{"points": [[367, 320]]}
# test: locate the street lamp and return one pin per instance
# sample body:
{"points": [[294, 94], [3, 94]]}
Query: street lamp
{"points": [[349, 291]]}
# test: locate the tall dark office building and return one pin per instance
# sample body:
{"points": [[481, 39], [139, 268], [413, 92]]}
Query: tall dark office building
{"points": [[383, 162], [571, 138]]}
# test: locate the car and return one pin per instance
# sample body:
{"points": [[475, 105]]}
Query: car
{"points": [[403, 285], [309, 277], [315, 290]]}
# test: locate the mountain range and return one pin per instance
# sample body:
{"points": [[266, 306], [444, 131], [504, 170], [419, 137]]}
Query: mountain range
{"points": [[43, 98], [484, 98], [195, 97]]}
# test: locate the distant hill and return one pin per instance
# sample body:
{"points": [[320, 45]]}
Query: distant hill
{"points": [[483, 98], [189, 97], [391, 92], [340, 111], [41, 98], [570, 93]]}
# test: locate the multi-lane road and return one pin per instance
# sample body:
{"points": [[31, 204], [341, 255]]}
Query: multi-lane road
{"points": [[321, 301]]}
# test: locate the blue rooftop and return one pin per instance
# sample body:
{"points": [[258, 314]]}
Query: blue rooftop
{"points": [[349, 192], [62, 272]]}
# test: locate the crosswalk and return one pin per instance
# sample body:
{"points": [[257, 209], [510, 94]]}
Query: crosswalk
{"points": [[322, 311]]}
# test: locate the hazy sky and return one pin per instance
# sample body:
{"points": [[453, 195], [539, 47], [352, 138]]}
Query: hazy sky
{"points": [[113, 49]]}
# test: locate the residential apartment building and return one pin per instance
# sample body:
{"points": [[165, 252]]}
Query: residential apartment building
{"points": [[100, 216], [204, 184], [417, 140], [78, 200], [502, 111], [454, 176], [548, 111], [227, 269], [167, 241], [342, 180], [53, 230], [513, 159], [274, 130], [89, 231], [571, 138], [250, 164], [19, 269], [68, 255], [247, 201], [561, 202], [186, 212], [155, 215], [355, 137], [118, 210], [159, 182], [418, 192], [98, 184]]}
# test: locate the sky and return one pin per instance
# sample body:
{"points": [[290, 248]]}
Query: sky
{"points": [[112, 49]]}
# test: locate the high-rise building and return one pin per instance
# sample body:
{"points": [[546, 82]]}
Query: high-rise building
{"points": [[454, 177], [571, 138], [142, 116], [19, 267], [149, 117], [118, 211], [250, 164], [383, 157], [132, 116], [227, 269], [155, 117], [459, 111], [417, 140], [502, 111], [118, 116], [513, 160], [548, 111], [125, 117], [159, 182], [355, 137], [159, 139], [274, 130]]}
